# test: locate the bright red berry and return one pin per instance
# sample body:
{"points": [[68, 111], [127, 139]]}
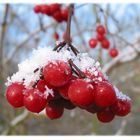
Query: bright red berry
{"points": [[105, 116], [54, 112], [37, 9], [65, 14], [45, 9], [57, 16], [56, 36], [54, 7], [57, 73], [64, 89], [100, 29], [41, 85], [100, 37], [121, 107], [81, 93], [92, 43], [104, 94], [14, 94], [105, 43], [113, 52], [34, 100]]}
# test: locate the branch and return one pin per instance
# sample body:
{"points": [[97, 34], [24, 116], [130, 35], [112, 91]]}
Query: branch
{"points": [[16, 121]]}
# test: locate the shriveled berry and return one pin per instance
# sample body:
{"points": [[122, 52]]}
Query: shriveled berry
{"points": [[14, 94], [81, 93]]}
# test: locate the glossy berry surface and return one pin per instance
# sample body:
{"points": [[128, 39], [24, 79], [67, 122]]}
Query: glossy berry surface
{"points": [[81, 93], [14, 94], [113, 52], [41, 85], [65, 14], [100, 29], [54, 112], [105, 43], [54, 7], [34, 101], [121, 107], [57, 16], [105, 116], [104, 94], [45, 9], [57, 73], [92, 43]]}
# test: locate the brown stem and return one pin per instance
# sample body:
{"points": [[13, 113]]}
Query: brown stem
{"points": [[60, 45], [75, 68], [68, 29]]}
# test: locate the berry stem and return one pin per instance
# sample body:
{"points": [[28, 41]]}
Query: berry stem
{"points": [[76, 69], [68, 29]]}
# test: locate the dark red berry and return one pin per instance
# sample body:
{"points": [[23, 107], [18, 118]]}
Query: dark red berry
{"points": [[105, 43], [121, 107], [54, 112], [57, 16], [113, 52], [81, 93], [54, 7], [104, 94], [37, 9], [68, 104], [14, 94], [45, 9], [65, 14], [57, 73], [92, 43], [105, 116], [100, 37], [34, 100], [100, 29], [64, 89], [41, 85]]}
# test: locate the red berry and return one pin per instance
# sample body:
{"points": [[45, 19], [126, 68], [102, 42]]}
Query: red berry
{"points": [[64, 89], [54, 112], [113, 52], [14, 94], [45, 9], [100, 37], [37, 9], [105, 116], [105, 43], [105, 94], [54, 7], [121, 107], [92, 43], [81, 93], [56, 36], [65, 14], [100, 29], [41, 85], [57, 16], [34, 100], [57, 73]]}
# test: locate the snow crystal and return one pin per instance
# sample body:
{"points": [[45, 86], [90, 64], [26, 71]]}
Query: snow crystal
{"points": [[120, 95]]}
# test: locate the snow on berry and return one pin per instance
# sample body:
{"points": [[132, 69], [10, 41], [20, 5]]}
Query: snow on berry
{"points": [[48, 76]]}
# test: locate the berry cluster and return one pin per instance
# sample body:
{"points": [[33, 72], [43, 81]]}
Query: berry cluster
{"points": [[53, 10], [105, 44], [63, 78]]}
